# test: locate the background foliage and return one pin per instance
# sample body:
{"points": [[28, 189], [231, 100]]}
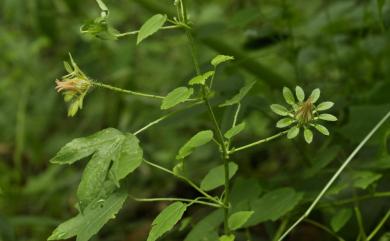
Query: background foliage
{"points": [[341, 47]]}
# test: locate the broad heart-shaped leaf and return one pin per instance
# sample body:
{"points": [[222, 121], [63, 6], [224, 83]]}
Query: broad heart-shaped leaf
{"points": [[238, 219], [340, 219], [273, 205], [206, 227], [166, 220], [216, 176], [241, 94], [109, 145], [235, 130], [201, 79], [151, 26], [199, 139], [87, 224], [221, 59], [176, 97]]}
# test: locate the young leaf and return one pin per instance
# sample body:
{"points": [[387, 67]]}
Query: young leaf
{"points": [[327, 117], [85, 225], [216, 176], [300, 94], [200, 139], [235, 130], [308, 134], [273, 205], [315, 95], [221, 59], [241, 94], [293, 132], [176, 97], [238, 219], [230, 237], [285, 122], [325, 106], [151, 26], [279, 109], [322, 129], [201, 79], [166, 220], [340, 219], [288, 96], [206, 226]]}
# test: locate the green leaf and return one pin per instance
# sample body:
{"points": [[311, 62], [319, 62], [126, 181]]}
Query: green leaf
{"points": [[109, 146], [221, 59], [216, 176], [327, 117], [99, 28], [166, 220], [300, 94], [102, 6], [273, 205], [68, 68], [129, 157], [285, 122], [322, 129], [206, 227], [176, 97], [235, 130], [238, 219], [85, 146], [244, 191], [241, 94], [363, 179], [293, 132], [325, 106], [308, 134], [279, 109], [288, 96], [85, 225], [201, 79], [340, 219], [151, 26], [200, 139], [315, 95], [230, 237]]}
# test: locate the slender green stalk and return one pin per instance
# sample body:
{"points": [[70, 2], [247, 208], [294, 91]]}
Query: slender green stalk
{"points": [[175, 199], [187, 181], [225, 153], [137, 31], [257, 142], [359, 220], [20, 129], [354, 199], [323, 227], [379, 226], [281, 228], [335, 176], [130, 92], [155, 122]]}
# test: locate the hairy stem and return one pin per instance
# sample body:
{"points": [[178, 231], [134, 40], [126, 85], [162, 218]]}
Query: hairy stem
{"points": [[129, 92], [175, 199]]}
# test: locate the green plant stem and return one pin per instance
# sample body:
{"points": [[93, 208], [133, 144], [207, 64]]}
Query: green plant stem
{"points": [[137, 31], [281, 228], [359, 220], [130, 92], [351, 200], [323, 227], [225, 153], [175, 199], [234, 150], [155, 122], [379, 226], [334, 177], [220, 204]]}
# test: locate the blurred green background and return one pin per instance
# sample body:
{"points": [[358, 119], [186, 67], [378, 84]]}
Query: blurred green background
{"points": [[340, 46]]}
